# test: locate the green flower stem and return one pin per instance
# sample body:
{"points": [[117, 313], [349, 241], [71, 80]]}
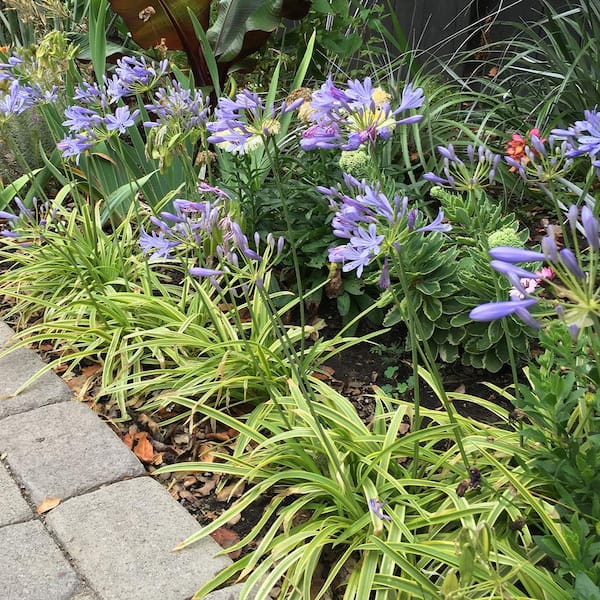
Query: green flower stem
{"points": [[416, 335], [276, 168], [306, 390], [273, 158], [483, 242]]}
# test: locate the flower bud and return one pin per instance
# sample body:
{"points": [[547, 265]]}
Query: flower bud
{"points": [[569, 260]]}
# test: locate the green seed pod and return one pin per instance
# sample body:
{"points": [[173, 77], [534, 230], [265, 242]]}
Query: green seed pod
{"points": [[484, 536], [449, 585]]}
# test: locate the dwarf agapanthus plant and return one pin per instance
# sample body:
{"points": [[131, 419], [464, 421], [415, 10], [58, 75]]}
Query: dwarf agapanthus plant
{"points": [[243, 124], [477, 171], [571, 286], [374, 226], [360, 114]]}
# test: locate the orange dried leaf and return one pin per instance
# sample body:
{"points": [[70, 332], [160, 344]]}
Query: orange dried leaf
{"points": [[205, 453], [143, 447], [91, 370], [47, 504], [227, 538]]}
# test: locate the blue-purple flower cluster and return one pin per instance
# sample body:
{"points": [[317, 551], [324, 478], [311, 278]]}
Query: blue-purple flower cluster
{"points": [[100, 113], [175, 103], [373, 225], [242, 124], [583, 138], [360, 114], [16, 96], [29, 224], [576, 297], [477, 172], [543, 160], [205, 230]]}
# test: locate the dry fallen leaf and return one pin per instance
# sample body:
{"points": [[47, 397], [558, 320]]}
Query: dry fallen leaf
{"points": [[47, 504], [233, 490], [324, 373], [207, 488], [227, 538], [149, 422], [91, 370], [205, 453], [140, 444]]}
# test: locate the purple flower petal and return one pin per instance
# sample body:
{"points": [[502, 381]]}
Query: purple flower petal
{"points": [[515, 255], [496, 310], [511, 270], [569, 260]]}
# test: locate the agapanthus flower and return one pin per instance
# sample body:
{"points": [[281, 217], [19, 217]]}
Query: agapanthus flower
{"points": [[241, 125], [360, 114], [570, 279], [583, 137], [74, 146], [121, 119], [496, 310], [90, 125], [375, 507], [373, 224], [28, 85], [203, 231], [539, 160], [134, 76], [16, 100], [30, 223], [477, 170], [176, 103]]}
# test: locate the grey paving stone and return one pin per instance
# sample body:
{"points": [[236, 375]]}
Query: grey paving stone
{"points": [[32, 567], [121, 538], [13, 508], [84, 596], [64, 450], [16, 369]]}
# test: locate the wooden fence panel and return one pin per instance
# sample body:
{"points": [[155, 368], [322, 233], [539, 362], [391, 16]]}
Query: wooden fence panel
{"points": [[441, 27]]}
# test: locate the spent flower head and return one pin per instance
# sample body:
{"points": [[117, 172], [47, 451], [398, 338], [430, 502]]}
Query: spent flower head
{"points": [[476, 171]]}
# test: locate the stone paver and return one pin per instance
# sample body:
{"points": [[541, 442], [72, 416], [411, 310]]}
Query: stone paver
{"points": [[85, 596], [13, 507], [63, 450], [121, 539], [32, 567], [15, 369], [113, 534]]}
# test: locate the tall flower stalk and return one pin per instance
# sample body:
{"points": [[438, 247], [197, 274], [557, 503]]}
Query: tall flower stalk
{"points": [[377, 231]]}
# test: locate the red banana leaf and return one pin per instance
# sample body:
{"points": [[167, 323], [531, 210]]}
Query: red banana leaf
{"points": [[152, 22]]}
